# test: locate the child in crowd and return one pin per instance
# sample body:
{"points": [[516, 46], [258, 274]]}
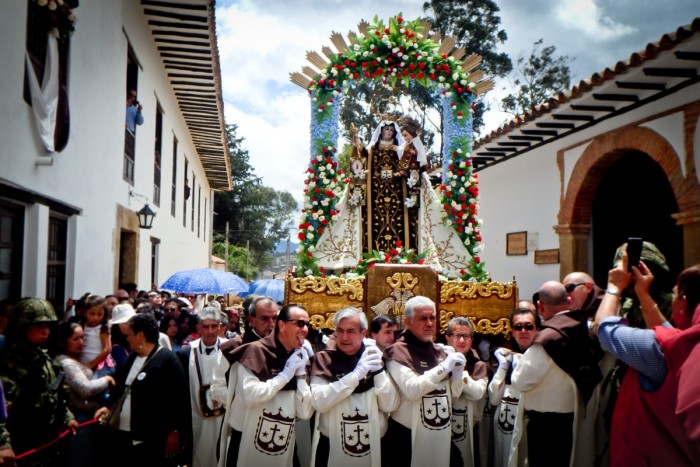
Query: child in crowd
{"points": [[98, 344]]}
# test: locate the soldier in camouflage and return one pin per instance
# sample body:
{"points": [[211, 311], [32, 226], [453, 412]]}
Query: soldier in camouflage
{"points": [[36, 409]]}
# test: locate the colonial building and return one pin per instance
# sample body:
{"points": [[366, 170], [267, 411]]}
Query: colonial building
{"points": [[74, 176], [617, 156]]}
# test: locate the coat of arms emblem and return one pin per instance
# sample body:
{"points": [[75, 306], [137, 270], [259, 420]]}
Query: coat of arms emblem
{"points": [[459, 423], [507, 414], [274, 433], [435, 410], [355, 432]]}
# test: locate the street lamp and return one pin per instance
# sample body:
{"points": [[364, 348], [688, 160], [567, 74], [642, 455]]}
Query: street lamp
{"points": [[146, 216]]}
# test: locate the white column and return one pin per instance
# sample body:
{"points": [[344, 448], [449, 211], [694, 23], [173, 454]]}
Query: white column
{"points": [[36, 246]]}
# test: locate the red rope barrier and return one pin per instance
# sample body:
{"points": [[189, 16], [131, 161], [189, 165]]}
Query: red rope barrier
{"points": [[65, 433]]}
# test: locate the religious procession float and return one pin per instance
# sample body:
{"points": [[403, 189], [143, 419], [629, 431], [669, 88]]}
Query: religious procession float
{"points": [[381, 233]]}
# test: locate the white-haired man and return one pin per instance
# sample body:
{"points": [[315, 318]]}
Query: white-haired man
{"points": [[200, 358], [421, 426], [352, 393]]}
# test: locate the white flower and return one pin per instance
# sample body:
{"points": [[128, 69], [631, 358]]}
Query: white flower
{"points": [[414, 45], [452, 59], [314, 216], [402, 31], [315, 203], [320, 110], [430, 59], [403, 260], [365, 53], [441, 79], [425, 54], [310, 235], [321, 168], [308, 272], [395, 50], [335, 217], [463, 82], [314, 99], [459, 151], [324, 202], [356, 47], [419, 35], [300, 249], [361, 36], [455, 76]]}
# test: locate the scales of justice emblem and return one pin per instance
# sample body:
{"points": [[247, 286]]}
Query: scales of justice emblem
{"points": [[355, 432], [274, 433], [507, 414], [459, 423], [435, 410]]}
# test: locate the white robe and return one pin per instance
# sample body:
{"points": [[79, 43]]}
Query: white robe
{"points": [[507, 399], [466, 411], [265, 415], [344, 416], [205, 430], [424, 398], [544, 387], [222, 391]]}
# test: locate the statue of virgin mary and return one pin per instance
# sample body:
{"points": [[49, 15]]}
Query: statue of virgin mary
{"points": [[389, 199]]}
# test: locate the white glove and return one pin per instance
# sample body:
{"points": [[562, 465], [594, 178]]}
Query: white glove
{"points": [[484, 349], [453, 360], [297, 361], [307, 347], [516, 359], [504, 358], [370, 360]]}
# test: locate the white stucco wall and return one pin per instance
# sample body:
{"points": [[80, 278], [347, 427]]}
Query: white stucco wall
{"points": [[523, 194], [88, 173]]}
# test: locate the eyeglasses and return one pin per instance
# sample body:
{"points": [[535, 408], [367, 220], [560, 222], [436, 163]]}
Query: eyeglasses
{"points": [[523, 327], [299, 322], [466, 337], [570, 287]]}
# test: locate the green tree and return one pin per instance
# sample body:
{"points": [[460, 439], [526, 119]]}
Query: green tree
{"points": [[240, 260], [476, 27], [538, 78], [257, 215]]}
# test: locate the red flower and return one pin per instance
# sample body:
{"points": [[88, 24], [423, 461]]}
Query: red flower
{"points": [[421, 261], [421, 65], [432, 76], [399, 19], [399, 244], [420, 75], [386, 30], [309, 255], [477, 260], [302, 236]]}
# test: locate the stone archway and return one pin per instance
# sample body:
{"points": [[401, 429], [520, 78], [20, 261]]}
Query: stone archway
{"points": [[605, 150]]}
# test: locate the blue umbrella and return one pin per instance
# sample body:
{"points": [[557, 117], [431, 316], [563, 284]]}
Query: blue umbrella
{"points": [[273, 288], [205, 281]]}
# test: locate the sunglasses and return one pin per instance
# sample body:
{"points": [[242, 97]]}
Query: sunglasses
{"points": [[523, 327], [300, 322], [570, 287], [170, 308]]}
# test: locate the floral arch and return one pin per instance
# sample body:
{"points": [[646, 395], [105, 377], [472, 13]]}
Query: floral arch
{"points": [[393, 54]]}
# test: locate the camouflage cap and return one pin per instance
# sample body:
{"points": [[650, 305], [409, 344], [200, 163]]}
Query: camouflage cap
{"points": [[650, 254], [34, 310]]}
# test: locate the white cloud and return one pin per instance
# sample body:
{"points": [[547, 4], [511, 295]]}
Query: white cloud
{"points": [[586, 17]]}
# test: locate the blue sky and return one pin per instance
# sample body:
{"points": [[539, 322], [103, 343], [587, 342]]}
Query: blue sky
{"points": [[262, 41]]}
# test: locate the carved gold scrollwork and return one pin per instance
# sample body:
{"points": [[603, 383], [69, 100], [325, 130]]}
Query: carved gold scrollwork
{"points": [[330, 285], [324, 321], [351, 287], [485, 326], [445, 317], [450, 290], [402, 281]]}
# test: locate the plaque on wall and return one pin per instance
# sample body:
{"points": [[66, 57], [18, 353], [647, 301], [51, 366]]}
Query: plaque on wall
{"points": [[547, 256], [516, 243]]}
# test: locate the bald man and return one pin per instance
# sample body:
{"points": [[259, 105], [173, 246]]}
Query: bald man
{"points": [[557, 372], [584, 294]]}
